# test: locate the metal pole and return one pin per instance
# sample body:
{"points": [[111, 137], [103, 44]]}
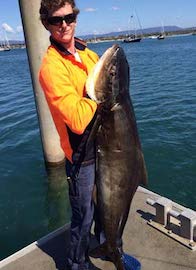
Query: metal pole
{"points": [[37, 41]]}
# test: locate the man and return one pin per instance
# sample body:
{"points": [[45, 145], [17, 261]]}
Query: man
{"points": [[62, 76]]}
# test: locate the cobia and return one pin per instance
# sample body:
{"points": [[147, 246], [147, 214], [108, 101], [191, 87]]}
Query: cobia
{"points": [[120, 162]]}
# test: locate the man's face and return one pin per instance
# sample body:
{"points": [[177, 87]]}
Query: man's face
{"points": [[64, 32]]}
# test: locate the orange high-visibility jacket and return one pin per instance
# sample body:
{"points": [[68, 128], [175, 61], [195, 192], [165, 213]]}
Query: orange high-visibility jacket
{"points": [[63, 81]]}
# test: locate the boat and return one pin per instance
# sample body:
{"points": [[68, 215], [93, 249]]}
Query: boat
{"points": [[4, 48], [4, 45], [162, 34], [134, 37], [153, 37]]}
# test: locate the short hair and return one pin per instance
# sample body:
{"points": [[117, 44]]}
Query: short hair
{"points": [[47, 7]]}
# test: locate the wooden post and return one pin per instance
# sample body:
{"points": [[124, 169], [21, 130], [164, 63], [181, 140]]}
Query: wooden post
{"points": [[37, 41]]}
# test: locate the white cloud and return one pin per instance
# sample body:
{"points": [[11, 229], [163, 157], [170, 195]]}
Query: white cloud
{"points": [[7, 28], [90, 9], [115, 8], [19, 29]]}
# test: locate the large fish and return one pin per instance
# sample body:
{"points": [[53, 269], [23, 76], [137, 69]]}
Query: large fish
{"points": [[120, 162]]}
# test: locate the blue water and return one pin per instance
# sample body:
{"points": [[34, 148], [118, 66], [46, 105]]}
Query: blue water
{"points": [[163, 90]]}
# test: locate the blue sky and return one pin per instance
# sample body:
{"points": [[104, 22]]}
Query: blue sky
{"points": [[97, 17]]}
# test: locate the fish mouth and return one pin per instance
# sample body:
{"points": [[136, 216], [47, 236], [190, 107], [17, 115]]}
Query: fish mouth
{"points": [[97, 89]]}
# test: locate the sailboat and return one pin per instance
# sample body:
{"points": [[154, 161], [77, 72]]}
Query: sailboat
{"points": [[194, 32], [162, 34], [4, 45], [1, 48], [134, 18], [133, 37]]}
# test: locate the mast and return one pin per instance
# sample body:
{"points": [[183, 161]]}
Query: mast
{"points": [[7, 45]]}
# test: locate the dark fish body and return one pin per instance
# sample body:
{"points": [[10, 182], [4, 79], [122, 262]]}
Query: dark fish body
{"points": [[120, 162]]}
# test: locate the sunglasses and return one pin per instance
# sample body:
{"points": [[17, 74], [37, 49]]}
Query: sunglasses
{"points": [[58, 21]]}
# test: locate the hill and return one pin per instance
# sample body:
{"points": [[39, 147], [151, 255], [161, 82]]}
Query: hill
{"points": [[145, 31]]}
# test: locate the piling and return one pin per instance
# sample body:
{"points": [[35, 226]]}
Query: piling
{"points": [[37, 41]]}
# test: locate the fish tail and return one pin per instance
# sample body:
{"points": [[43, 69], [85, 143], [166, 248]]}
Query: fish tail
{"points": [[116, 256], [113, 254]]}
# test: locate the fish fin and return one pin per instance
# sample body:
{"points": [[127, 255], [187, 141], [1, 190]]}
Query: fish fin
{"points": [[143, 172], [94, 129], [130, 262], [115, 256], [124, 219], [116, 107]]}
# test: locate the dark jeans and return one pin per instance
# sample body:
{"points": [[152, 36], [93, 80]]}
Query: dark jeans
{"points": [[80, 194]]}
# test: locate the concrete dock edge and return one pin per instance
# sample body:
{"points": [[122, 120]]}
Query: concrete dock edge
{"points": [[152, 248]]}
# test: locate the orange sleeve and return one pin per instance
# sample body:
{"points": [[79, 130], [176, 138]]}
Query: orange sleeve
{"points": [[63, 98]]}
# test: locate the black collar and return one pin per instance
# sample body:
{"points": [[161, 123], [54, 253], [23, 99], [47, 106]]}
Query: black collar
{"points": [[79, 44]]}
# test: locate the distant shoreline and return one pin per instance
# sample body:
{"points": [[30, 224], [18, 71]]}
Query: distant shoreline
{"points": [[21, 45], [17, 46], [147, 35]]}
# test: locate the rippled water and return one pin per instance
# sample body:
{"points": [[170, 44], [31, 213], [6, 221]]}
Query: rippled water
{"points": [[163, 90]]}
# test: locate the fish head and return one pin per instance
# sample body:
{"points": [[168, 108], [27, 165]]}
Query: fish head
{"points": [[109, 77]]}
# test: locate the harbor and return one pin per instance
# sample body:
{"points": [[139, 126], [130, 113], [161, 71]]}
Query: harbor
{"points": [[34, 204]]}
